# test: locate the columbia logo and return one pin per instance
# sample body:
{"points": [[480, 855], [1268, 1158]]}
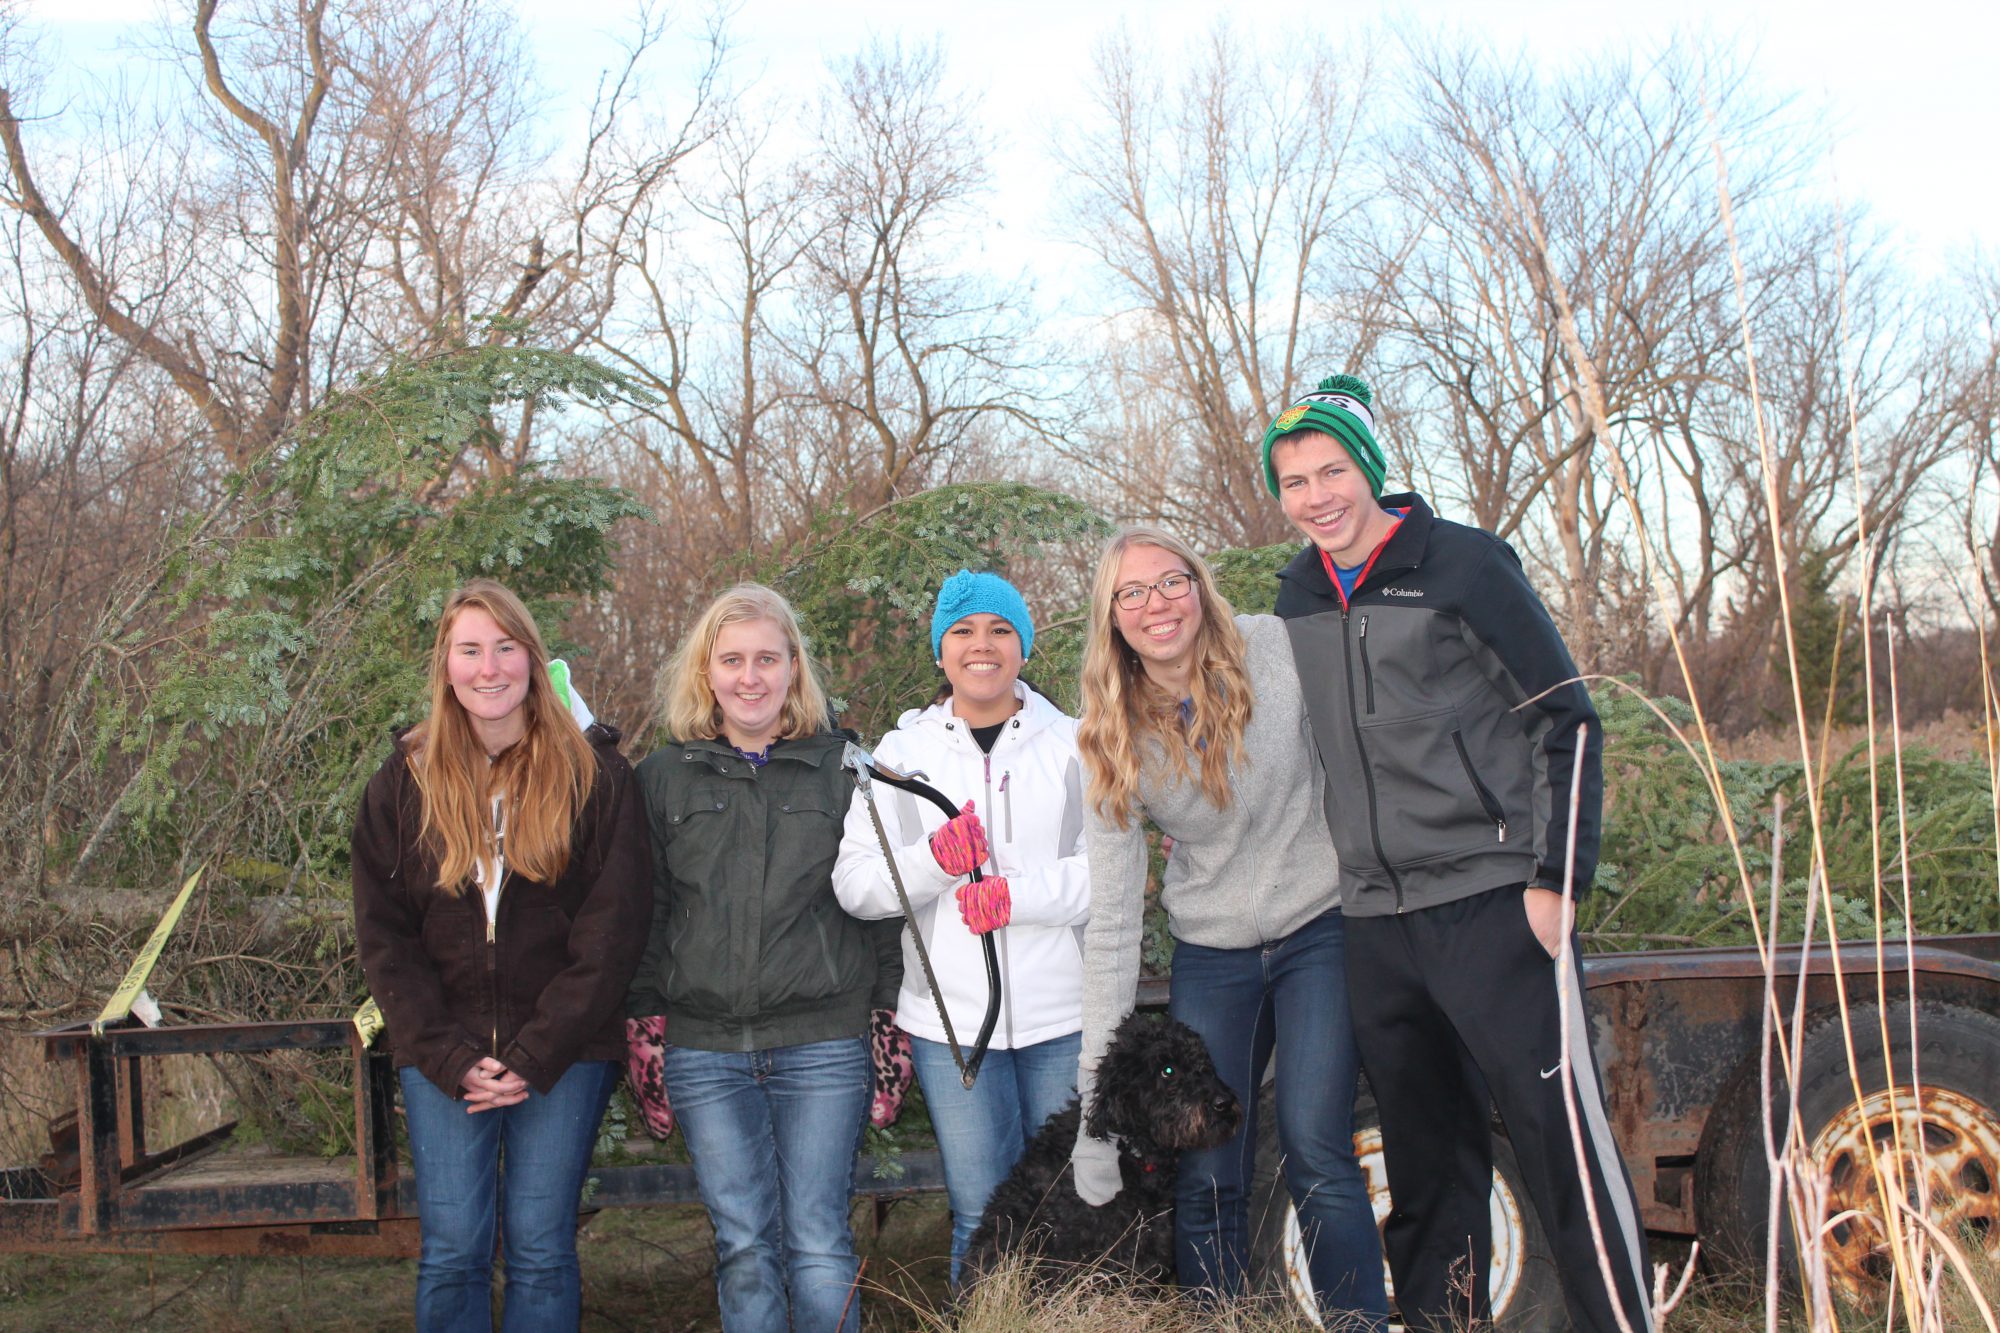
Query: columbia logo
{"points": [[1402, 592]]}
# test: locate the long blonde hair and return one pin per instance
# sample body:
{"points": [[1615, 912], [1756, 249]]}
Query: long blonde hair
{"points": [[1123, 709], [543, 778], [687, 701]]}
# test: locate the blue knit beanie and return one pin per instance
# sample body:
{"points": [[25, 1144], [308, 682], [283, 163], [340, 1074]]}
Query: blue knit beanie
{"points": [[968, 594]]}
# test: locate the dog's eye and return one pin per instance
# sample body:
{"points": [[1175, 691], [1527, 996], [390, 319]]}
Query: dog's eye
{"points": [[1166, 1071]]}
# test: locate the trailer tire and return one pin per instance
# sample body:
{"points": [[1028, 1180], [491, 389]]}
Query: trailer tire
{"points": [[1958, 1067], [1527, 1296]]}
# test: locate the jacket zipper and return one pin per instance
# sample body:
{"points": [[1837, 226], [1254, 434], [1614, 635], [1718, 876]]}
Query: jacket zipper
{"points": [[1486, 799], [987, 760], [493, 924], [493, 966], [1367, 671], [1007, 802], [1367, 772]]}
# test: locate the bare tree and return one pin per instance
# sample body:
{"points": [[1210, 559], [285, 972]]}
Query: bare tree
{"points": [[908, 352], [1218, 209], [346, 184], [1600, 182], [714, 403], [1979, 409], [241, 365]]}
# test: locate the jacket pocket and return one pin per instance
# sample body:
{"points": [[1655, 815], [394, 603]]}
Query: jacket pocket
{"points": [[1424, 807], [453, 935], [1367, 668], [1487, 801], [697, 803]]}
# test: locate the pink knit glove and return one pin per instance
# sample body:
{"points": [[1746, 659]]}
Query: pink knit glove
{"points": [[985, 904], [889, 1054], [645, 1052], [960, 845]]}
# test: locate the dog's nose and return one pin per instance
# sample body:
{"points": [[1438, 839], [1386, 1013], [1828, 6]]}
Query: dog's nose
{"points": [[1223, 1103]]}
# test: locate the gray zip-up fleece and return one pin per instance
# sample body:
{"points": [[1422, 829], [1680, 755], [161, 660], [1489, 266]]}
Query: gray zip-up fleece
{"points": [[1451, 781], [1241, 876]]}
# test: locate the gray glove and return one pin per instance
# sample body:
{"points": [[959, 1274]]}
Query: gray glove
{"points": [[1095, 1164]]}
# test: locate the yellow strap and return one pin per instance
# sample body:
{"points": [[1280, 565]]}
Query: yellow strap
{"points": [[368, 1021], [120, 1003]]}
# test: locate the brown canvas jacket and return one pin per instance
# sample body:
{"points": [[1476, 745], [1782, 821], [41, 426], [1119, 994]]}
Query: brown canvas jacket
{"points": [[550, 988]]}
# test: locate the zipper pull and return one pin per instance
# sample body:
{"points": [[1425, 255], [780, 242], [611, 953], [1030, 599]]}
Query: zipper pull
{"points": [[1007, 803], [1500, 825], [1364, 628]]}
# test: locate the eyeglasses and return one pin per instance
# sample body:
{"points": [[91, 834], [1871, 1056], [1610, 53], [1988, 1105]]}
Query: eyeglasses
{"points": [[1134, 595]]}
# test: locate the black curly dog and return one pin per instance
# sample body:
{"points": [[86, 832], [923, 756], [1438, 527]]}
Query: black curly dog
{"points": [[1157, 1092]]}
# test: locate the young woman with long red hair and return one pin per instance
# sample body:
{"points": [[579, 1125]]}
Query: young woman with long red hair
{"points": [[501, 899]]}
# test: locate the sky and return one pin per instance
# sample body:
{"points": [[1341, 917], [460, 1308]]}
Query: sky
{"points": [[1908, 88]]}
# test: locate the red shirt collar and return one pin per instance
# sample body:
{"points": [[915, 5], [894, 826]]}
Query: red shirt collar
{"points": [[1333, 574]]}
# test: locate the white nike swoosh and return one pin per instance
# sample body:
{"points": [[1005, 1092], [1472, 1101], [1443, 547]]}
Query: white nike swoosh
{"points": [[1550, 1072]]}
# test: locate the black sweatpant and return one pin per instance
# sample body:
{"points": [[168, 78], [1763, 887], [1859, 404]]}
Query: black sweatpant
{"points": [[1453, 1004]]}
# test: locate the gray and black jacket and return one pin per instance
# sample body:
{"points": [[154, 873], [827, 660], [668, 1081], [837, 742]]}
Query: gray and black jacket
{"points": [[1441, 782]]}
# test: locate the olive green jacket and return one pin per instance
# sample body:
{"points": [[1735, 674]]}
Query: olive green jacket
{"points": [[749, 949]]}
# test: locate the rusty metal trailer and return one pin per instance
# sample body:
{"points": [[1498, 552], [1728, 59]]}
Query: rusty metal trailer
{"points": [[104, 1188], [1678, 1033]]}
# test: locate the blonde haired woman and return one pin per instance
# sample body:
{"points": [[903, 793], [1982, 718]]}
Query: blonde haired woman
{"points": [[1192, 717], [764, 983], [500, 877]]}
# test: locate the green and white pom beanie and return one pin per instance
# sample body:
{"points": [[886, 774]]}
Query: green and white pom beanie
{"points": [[1340, 408]]}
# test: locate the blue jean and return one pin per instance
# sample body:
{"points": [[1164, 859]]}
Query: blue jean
{"points": [[983, 1130], [519, 1168], [773, 1135], [1288, 999]]}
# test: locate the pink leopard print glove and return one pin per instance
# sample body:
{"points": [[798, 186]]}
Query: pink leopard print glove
{"points": [[889, 1053], [960, 845], [985, 904], [645, 1051]]}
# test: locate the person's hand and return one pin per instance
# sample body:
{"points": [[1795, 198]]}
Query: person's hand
{"points": [[891, 1067], [985, 904], [960, 844], [645, 1070], [1094, 1163], [490, 1085], [1545, 916]]}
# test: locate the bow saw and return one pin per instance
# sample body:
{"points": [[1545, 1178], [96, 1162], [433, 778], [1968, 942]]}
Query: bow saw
{"points": [[867, 771]]}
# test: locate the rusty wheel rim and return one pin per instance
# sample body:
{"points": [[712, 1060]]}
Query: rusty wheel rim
{"points": [[1949, 1156]]}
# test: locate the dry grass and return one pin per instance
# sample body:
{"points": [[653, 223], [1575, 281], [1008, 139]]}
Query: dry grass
{"points": [[1101, 1301], [1956, 737]]}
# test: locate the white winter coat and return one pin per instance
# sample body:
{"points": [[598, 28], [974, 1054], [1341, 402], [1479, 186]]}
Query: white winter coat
{"points": [[1029, 796]]}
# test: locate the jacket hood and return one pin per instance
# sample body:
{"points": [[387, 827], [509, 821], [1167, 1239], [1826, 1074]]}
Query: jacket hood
{"points": [[1036, 714]]}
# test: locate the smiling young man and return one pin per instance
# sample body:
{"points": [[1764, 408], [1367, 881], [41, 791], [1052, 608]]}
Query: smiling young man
{"points": [[1446, 709]]}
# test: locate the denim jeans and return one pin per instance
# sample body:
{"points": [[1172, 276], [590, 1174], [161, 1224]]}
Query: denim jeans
{"points": [[1289, 999], [519, 1168], [983, 1130], [773, 1135]]}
